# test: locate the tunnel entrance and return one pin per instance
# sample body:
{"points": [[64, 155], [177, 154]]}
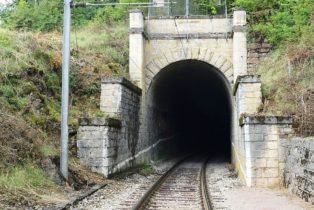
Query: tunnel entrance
{"points": [[190, 108]]}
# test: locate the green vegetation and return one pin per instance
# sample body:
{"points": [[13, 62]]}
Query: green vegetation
{"points": [[288, 85], [30, 75], [23, 184], [24, 177], [47, 15], [30, 85], [279, 21], [288, 74], [145, 169]]}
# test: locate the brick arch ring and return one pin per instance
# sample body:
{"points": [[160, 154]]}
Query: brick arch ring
{"points": [[218, 61]]}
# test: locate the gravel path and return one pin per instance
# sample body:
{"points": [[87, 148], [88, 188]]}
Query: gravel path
{"points": [[225, 189], [229, 194], [122, 193]]}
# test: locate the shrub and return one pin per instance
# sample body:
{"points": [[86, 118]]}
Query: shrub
{"points": [[278, 21]]}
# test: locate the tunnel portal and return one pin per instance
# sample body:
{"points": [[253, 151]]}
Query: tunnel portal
{"points": [[191, 106]]}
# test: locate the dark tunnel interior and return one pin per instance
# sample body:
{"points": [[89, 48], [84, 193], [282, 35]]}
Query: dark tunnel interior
{"points": [[192, 102]]}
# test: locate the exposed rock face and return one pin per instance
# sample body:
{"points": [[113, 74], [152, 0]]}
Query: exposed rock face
{"points": [[51, 170], [257, 51]]}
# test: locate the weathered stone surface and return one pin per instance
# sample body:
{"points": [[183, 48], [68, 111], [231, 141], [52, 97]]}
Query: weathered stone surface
{"points": [[109, 145], [103, 143], [262, 157], [99, 121], [121, 80], [51, 170], [247, 119], [257, 51], [297, 166]]}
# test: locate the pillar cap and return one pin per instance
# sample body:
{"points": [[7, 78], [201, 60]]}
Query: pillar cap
{"points": [[136, 11], [249, 78], [122, 81], [239, 18], [100, 121], [247, 119]]}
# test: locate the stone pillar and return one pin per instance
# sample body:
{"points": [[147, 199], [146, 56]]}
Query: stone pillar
{"points": [[248, 94], [97, 143], [136, 47], [239, 44], [248, 98], [108, 145], [261, 135]]}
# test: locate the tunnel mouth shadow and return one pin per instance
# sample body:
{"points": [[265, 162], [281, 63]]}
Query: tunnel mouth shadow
{"points": [[190, 108]]}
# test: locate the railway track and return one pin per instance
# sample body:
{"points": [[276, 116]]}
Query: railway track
{"points": [[182, 187]]}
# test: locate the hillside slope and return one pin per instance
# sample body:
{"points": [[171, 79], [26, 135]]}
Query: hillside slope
{"points": [[30, 100]]}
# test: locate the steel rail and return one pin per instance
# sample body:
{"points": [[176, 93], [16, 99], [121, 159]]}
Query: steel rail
{"points": [[145, 198], [207, 204]]}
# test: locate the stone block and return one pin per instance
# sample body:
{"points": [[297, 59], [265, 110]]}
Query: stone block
{"points": [[252, 137], [273, 182], [259, 163], [272, 163], [260, 182]]}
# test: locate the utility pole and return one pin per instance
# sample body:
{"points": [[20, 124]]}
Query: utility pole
{"points": [[187, 7], [65, 74], [65, 89]]}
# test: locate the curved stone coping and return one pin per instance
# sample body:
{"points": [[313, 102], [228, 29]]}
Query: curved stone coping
{"points": [[260, 119], [121, 80], [188, 17], [165, 36], [135, 11], [100, 121], [246, 79]]}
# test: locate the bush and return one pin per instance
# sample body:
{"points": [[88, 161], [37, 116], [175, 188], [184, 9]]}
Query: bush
{"points": [[288, 85], [47, 15], [278, 21]]}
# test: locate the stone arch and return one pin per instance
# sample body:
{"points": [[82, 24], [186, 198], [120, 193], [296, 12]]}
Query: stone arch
{"points": [[161, 113], [220, 62]]}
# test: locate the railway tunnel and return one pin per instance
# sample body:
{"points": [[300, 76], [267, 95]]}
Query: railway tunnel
{"points": [[190, 107]]}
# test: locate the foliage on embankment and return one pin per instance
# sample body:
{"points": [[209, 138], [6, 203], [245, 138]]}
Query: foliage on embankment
{"points": [[288, 85], [288, 74], [30, 98], [278, 21]]}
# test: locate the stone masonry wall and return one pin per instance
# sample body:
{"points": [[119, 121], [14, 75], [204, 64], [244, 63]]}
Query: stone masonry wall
{"points": [[121, 98], [297, 166], [248, 94], [97, 142], [257, 51], [261, 136], [103, 147], [248, 98]]}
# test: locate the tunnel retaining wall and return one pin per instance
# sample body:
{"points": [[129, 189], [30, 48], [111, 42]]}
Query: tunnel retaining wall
{"points": [[117, 145], [296, 166], [260, 154], [97, 142]]}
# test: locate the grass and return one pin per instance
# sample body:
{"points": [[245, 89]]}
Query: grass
{"points": [[30, 96], [145, 169], [24, 177], [30, 76], [48, 150], [106, 47], [288, 85]]}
